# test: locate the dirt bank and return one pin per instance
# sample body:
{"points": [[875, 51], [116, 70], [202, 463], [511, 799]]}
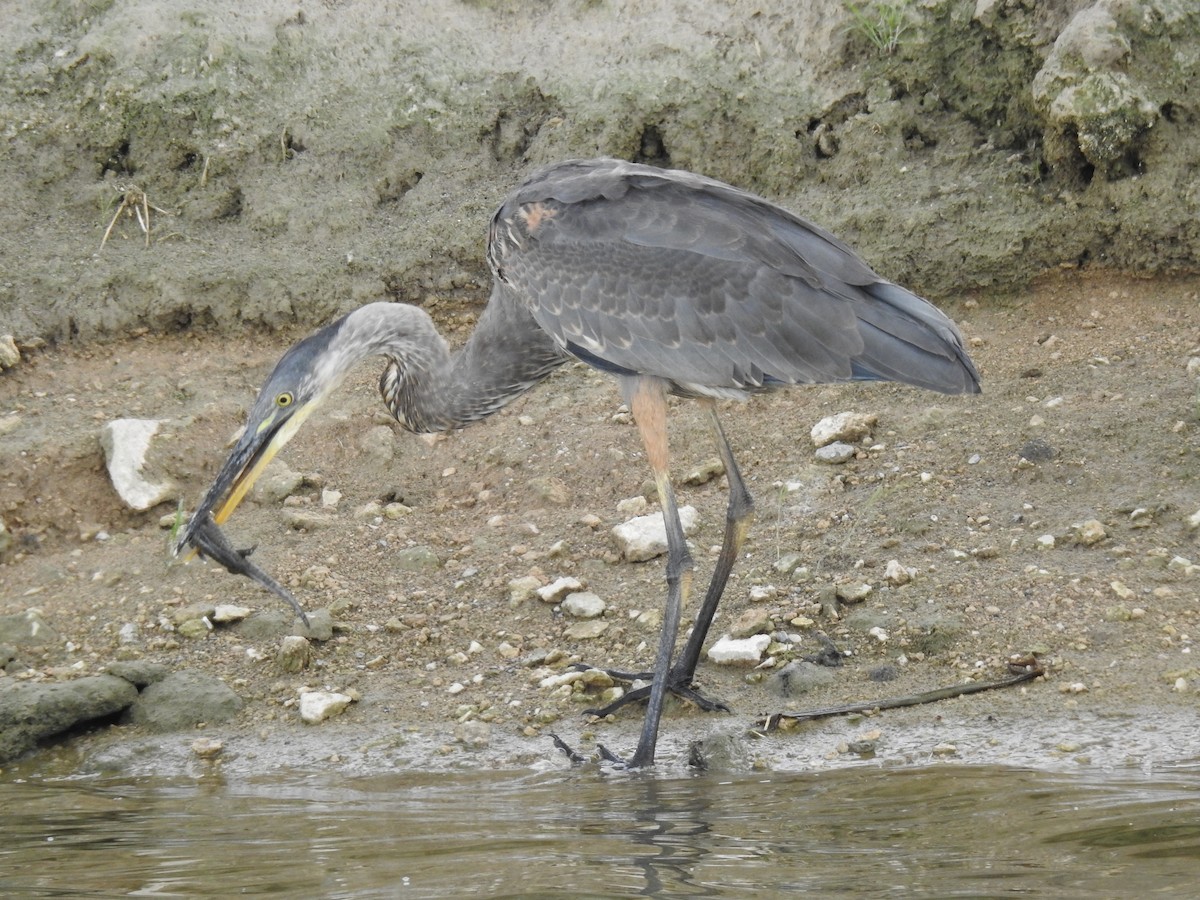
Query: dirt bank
{"points": [[1086, 375]]}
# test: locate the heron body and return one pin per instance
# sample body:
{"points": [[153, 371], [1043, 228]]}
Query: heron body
{"points": [[669, 281]]}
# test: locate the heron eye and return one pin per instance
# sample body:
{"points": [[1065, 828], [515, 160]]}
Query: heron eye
{"points": [[284, 399]]}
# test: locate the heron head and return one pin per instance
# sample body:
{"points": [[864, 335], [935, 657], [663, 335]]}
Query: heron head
{"points": [[301, 380]]}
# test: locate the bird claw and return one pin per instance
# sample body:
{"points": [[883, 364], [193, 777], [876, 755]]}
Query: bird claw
{"points": [[679, 684], [578, 759]]}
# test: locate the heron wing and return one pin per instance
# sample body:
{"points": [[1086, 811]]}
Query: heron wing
{"points": [[665, 273]]}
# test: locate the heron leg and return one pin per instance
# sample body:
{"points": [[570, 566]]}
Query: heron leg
{"points": [[648, 402], [738, 517]]}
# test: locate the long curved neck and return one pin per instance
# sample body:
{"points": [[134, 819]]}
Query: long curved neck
{"points": [[428, 388]]}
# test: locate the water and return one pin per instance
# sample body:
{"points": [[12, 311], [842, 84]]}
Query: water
{"points": [[944, 831]]}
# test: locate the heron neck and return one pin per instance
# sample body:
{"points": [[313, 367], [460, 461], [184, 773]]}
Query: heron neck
{"points": [[427, 387]]}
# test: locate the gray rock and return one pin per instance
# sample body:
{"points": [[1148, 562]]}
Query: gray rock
{"points": [[550, 490], [416, 559], [935, 633], [27, 629], [184, 700], [835, 453], [138, 672], [721, 753], [32, 712], [798, 677], [268, 625], [320, 625], [6, 539], [277, 483], [126, 444]]}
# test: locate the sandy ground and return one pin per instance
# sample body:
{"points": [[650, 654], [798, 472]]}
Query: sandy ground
{"points": [[1086, 373]]}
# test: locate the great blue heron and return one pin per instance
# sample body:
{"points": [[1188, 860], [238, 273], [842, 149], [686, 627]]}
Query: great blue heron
{"points": [[671, 282]]}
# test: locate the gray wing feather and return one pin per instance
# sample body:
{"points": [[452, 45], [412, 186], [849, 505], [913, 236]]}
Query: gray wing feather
{"points": [[670, 274]]}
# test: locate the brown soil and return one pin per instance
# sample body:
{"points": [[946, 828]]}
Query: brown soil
{"points": [[1093, 366]]}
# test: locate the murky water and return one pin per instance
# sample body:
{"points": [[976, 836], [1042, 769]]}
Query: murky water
{"points": [[944, 831]]}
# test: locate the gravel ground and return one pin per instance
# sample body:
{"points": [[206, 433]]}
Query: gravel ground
{"points": [[1054, 514]]}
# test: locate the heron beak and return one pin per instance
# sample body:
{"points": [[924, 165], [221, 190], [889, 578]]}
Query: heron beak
{"points": [[254, 450]]}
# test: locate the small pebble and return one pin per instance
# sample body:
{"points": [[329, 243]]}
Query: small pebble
{"points": [[295, 654], [556, 591], [835, 453], [896, 574], [1090, 532]]}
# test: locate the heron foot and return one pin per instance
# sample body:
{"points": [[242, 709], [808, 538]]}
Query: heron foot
{"points": [[578, 759], [680, 685]]}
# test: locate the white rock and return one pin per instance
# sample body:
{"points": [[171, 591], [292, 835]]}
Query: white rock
{"points": [[125, 443], [586, 631], [10, 355], [227, 612], [835, 453], [896, 574], [1194, 520], [632, 506], [1182, 564], [645, 537], [554, 681], [1090, 532], [729, 650], [584, 605], [554, 592], [317, 706], [522, 589], [845, 426], [854, 592], [330, 499], [1046, 542]]}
